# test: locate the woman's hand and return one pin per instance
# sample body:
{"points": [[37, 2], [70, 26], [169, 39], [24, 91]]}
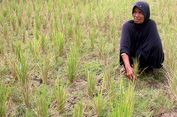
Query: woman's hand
{"points": [[130, 73], [129, 70]]}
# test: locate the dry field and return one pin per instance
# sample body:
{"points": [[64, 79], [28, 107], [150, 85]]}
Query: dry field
{"points": [[60, 58]]}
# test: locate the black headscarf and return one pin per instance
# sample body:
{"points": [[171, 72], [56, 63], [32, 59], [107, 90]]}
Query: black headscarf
{"points": [[144, 7], [142, 41]]}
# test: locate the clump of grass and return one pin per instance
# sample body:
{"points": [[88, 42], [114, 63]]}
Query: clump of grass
{"points": [[124, 105], [12, 64], [60, 96], [37, 26], [5, 34], [34, 48], [78, 36], [43, 44], [58, 44], [78, 110], [136, 68], [100, 104], [4, 94], [45, 69], [101, 47], [107, 79], [172, 80], [72, 64], [43, 102], [1, 46], [171, 69], [93, 38], [29, 113], [22, 73], [91, 85], [113, 93]]}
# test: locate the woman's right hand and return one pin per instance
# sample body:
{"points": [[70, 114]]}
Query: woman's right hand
{"points": [[129, 70], [130, 73]]}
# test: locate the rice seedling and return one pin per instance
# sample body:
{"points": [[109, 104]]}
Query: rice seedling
{"points": [[101, 47], [136, 68], [50, 6], [100, 105], [72, 63], [107, 79], [5, 34], [78, 37], [44, 44], [171, 76], [1, 46], [37, 25], [60, 96], [92, 38], [45, 68], [29, 113], [3, 69], [91, 83], [4, 94], [34, 48], [43, 102], [58, 44], [22, 73], [13, 66], [19, 16], [112, 92], [78, 109], [124, 105]]}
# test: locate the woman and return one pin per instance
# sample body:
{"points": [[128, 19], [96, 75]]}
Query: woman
{"points": [[140, 40]]}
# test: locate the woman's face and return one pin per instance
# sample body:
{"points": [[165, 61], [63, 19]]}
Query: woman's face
{"points": [[138, 16]]}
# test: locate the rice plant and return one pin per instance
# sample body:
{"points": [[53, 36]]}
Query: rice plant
{"points": [[107, 79], [60, 96], [91, 83], [37, 26], [5, 34], [1, 46], [14, 70], [45, 68], [22, 73], [124, 105], [100, 105], [72, 63], [172, 79], [34, 48], [78, 37], [43, 102], [44, 44], [4, 94], [93, 38], [58, 44], [78, 110], [137, 71], [29, 113], [112, 92], [101, 47]]}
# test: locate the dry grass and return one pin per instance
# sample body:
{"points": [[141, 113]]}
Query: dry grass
{"points": [[65, 39]]}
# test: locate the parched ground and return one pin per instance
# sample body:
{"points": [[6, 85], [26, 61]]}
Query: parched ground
{"points": [[153, 96]]}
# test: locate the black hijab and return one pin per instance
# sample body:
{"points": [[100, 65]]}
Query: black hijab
{"points": [[144, 7], [142, 41]]}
